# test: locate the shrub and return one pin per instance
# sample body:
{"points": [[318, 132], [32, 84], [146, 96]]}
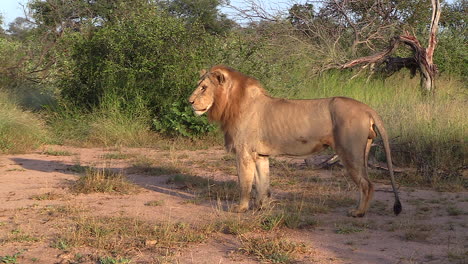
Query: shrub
{"points": [[148, 58]]}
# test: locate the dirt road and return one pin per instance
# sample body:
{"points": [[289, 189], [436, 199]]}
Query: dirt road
{"points": [[42, 219]]}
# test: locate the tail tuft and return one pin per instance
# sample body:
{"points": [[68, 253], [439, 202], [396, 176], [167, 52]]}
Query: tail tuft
{"points": [[397, 207]]}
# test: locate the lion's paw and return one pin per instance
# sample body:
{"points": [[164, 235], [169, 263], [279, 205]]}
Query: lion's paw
{"points": [[239, 209], [356, 213]]}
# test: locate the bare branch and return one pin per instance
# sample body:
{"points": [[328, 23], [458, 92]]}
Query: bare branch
{"points": [[421, 60]]}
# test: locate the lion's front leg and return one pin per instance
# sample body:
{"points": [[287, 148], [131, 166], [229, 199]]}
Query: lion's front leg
{"points": [[245, 171]]}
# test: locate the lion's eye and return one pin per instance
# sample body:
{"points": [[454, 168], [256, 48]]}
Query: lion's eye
{"points": [[203, 88]]}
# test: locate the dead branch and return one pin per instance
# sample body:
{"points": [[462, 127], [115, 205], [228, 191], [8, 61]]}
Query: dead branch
{"points": [[422, 59]]}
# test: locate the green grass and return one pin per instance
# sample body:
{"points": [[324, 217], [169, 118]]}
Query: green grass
{"points": [[20, 131], [10, 259], [119, 130], [111, 260], [61, 244], [108, 125]]}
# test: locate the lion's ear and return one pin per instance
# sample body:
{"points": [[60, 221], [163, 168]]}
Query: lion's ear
{"points": [[202, 72], [219, 76]]}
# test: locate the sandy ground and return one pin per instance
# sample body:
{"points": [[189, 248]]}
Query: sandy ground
{"points": [[433, 227]]}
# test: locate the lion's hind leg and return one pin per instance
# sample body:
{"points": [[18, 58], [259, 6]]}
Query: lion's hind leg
{"points": [[353, 151]]}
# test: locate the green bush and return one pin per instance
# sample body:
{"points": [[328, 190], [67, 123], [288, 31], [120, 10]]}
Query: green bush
{"points": [[180, 119], [150, 55], [450, 54]]}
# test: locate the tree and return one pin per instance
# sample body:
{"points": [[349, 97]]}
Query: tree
{"points": [[368, 25], [204, 12], [20, 28], [2, 31], [422, 59], [301, 15]]}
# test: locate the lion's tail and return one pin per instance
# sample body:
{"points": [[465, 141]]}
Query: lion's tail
{"points": [[383, 133]]}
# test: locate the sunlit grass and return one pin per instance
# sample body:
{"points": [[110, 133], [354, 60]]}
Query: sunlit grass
{"points": [[20, 130]]}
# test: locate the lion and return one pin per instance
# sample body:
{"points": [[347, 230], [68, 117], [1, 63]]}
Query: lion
{"points": [[257, 126]]}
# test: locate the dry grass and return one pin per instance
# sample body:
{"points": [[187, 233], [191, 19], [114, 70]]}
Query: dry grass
{"points": [[128, 236], [117, 156], [206, 188], [149, 166], [155, 203], [271, 249], [46, 196], [19, 236], [52, 152], [104, 181]]}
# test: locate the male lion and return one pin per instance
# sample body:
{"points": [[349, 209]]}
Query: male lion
{"points": [[257, 126]]}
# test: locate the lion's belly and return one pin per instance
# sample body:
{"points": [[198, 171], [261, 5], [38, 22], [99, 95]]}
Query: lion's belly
{"points": [[295, 147], [291, 127], [295, 139]]}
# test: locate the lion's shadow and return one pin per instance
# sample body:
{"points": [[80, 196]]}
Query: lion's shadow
{"points": [[167, 181]]}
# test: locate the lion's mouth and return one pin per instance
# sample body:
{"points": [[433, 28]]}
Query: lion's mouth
{"points": [[201, 111]]}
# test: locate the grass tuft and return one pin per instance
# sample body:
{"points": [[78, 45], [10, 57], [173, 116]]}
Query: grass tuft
{"points": [[52, 152], [46, 196], [116, 156], [10, 259], [274, 250], [454, 211], [155, 203], [104, 181]]}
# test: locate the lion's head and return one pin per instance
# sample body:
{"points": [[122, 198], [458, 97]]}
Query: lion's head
{"points": [[220, 92], [203, 98]]}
